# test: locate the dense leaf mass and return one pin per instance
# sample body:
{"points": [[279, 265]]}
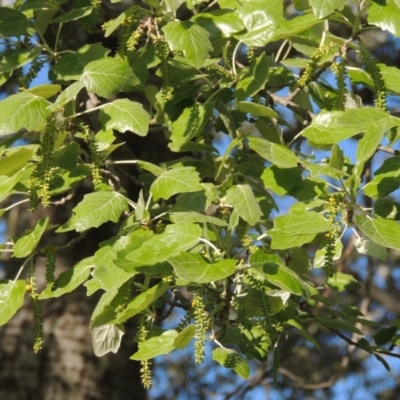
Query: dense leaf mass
{"points": [[226, 148]]}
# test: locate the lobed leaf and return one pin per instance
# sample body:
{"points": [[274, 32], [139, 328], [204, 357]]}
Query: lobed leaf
{"points": [[11, 298], [94, 210]]}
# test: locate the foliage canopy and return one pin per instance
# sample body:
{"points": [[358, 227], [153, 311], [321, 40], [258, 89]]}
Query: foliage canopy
{"points": [[202, 232]]}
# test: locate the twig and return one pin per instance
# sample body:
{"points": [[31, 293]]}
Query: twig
{"points": [[388, 150]]}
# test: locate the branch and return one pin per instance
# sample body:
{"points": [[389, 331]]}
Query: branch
{"points": [[371, 351], [291, 105], [388, 150]]}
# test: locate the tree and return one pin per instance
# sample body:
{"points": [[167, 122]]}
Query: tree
{"points": [[120, 160]]}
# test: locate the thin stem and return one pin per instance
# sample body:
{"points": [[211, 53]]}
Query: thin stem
{"points": [[211, 245], [16, 204], [48, 48], [57, 37], [215, 94], [87, 111], [219, 344], [159, 216], [23, 266], [234, 58], [278, 54], [129, 201], [148, 202]]}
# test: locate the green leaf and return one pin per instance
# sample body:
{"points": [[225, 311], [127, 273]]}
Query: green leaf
{"points": [[23, 111], [67, 157], [322, 8], [385, 335], [340, 282], [368, 144], [275, 153], [69, 280], [301, 223], [67, 95], [386, 15], [320, 255], [141, 302], [196, 201], [108, 76], [219, 23], [189, 124], [17, 58], [107, 338], [386, 179], [15, 161], [369, 247], [337, 158], [176, 180], [12, 22], [152, 168], [192, 267], [391, 76], [11, 298], [278, 274], [243, 200], [381, 231], [324, 169], [281, 241], [174, 240], [94, 210], [185, 337], [333, 127], [190, 38], [173, 5], [125, 115], [25, 245], [261, 19], [387, 209], [299, 261], [296, 25], [73, 15], [46, 91], [382, 361], [255, 80], [71, 66], [156, 346], [193, 217], [6, 186], [107, 273], [257, 110], [281, 180], [231, 359]]}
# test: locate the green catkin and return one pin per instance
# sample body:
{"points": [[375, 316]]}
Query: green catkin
{"points": [[50, 254], [308, 73], [145, 370], [378, 82], [339, 69], [37, 312], [251, 54], [162, 52], [201, 322], [258, 286], [379, 85], [334, 206], [96, 10], [96, 158], [42, 174], [24, 81], [129, 36]]}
